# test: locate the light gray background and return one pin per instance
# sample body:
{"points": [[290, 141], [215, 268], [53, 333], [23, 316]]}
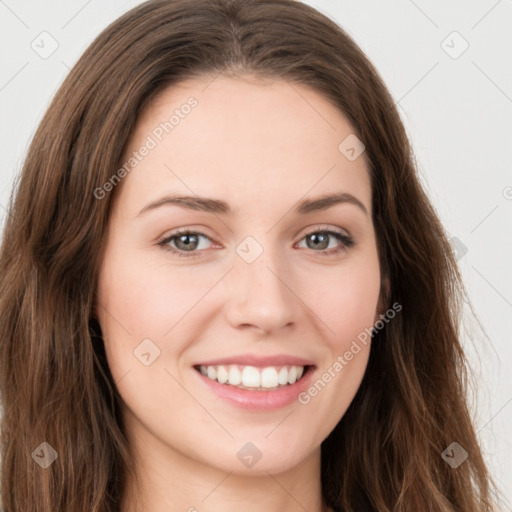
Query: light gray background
{"points": [[457, 110]]}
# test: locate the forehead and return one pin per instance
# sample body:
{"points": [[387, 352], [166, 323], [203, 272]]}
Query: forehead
{"points": [[245, 140]]}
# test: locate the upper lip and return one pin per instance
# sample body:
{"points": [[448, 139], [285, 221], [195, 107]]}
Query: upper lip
{"points": [[258, 361]]}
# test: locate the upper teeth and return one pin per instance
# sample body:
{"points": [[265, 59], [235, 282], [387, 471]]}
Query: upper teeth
{"points": [[253, 377]]}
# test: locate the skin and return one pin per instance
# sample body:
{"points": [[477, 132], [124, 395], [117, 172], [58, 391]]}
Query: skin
{"points": [[261, 146]]}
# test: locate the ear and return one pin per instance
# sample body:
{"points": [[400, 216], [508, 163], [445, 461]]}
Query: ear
{"points": [[95, 328], [93, 315], [385, 293], [94, 321]]}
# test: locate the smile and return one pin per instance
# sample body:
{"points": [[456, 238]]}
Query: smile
{"points": [[268, 378]]}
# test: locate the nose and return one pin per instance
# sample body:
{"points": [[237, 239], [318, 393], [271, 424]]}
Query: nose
{"points": [[261, 295]]}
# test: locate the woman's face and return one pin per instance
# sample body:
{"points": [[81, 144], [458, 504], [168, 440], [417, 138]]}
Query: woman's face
{"points": [[252, 294]]}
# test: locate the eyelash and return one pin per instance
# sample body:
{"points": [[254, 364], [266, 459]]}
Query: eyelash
{"points": [[346, 242]]}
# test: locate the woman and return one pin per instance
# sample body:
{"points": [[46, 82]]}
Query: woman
{"points": [[164, 346]]}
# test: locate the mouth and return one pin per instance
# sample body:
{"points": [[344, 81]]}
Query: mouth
{"points": [[253, 378], [256, 382]]}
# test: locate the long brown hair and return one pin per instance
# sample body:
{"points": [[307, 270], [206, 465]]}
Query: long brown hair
{"points": [[55, 384]]}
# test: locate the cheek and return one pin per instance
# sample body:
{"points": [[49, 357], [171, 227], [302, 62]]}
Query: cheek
{"points": [[143, 294], [346, 300], [144, 298], [348, 306]]}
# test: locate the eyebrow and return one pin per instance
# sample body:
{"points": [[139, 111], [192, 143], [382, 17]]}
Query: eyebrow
{"points": [[220, 207]]}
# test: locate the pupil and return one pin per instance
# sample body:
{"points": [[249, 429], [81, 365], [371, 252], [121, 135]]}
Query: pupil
{"points": [[316, 238], [187, 245]]}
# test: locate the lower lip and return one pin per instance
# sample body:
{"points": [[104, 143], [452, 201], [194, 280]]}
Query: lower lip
{"points": [[259, 400]]}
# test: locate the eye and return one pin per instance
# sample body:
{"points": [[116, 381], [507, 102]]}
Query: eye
{"points": [[185, 241], [321, 239]]}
